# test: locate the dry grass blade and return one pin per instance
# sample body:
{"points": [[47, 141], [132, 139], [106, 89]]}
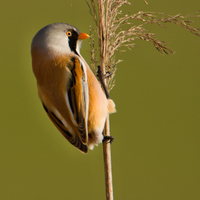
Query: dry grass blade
{"points": [[93, 11], [117, 39]]}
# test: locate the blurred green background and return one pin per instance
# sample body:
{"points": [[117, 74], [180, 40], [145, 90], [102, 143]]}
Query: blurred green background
{"points": [[156, 152]]}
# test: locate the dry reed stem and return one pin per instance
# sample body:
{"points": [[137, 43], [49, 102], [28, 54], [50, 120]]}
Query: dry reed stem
{"points": [[103, 60], [109, 21], [108, 163]]}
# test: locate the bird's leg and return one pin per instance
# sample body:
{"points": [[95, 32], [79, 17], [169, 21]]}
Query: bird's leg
{"points": [[101, 79], [108, 74], [109, 139], [104, 76]]}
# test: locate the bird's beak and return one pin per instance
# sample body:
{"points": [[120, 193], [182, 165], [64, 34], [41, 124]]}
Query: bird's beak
{"points": [[83, 36]]}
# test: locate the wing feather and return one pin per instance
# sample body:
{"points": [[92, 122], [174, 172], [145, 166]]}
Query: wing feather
{"points": [[78, 98], [73, 139]]}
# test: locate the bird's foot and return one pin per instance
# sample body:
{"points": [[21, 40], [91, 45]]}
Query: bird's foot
{"points": [[108, 138], [101, 75]]}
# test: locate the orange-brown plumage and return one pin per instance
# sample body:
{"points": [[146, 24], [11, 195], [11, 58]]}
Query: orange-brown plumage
{"points": [[69, 91]]}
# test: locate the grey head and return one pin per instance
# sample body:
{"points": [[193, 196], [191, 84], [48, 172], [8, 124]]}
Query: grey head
{"points": [[57, 39]]}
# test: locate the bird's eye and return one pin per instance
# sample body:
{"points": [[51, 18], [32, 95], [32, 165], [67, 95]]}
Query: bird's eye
{"points": [[69, 33]]}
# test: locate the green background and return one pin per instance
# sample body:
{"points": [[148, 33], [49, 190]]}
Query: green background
{"points": [[156, 152]]}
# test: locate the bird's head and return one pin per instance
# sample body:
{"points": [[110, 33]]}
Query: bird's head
{"points": [[58, 39]]}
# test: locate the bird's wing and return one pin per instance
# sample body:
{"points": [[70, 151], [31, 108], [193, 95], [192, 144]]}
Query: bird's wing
{"points": [[77, 93], [73, 139], [69, 112]]}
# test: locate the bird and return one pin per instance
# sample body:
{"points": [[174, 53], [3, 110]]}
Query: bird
{"points": [[69, 91]]}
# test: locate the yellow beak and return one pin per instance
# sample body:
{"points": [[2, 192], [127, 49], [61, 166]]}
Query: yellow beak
{"points": [[83, 36]]}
